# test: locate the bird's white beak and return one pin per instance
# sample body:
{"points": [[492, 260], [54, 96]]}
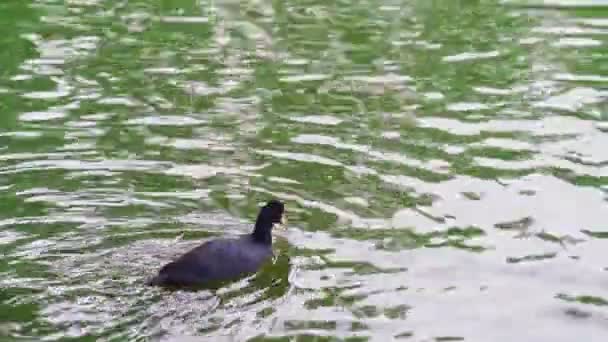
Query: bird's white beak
{"points": [[283, 224]]}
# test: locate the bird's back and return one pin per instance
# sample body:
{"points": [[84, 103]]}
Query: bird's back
{"points": [[215, 260]]}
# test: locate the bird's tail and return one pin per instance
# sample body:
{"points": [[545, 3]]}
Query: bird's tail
{"points": [[157, 280]]}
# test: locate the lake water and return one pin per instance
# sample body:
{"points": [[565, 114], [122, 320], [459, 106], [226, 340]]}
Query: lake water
{"points": [[444, 166]]}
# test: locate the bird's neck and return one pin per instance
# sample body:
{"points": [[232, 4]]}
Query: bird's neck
{"points": [[262, 232]]}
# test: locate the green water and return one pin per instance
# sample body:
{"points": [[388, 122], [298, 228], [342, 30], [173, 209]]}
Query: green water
{"points": [[444, 166]]}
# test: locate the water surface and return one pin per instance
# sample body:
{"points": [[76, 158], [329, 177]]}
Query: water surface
{"points": [[444, 166]]}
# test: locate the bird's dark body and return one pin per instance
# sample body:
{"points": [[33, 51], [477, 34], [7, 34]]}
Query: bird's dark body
{"points": [[224, 259], [215, 260]]}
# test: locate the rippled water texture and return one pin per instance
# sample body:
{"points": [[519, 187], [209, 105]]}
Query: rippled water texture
{"points": [[444, 166]]}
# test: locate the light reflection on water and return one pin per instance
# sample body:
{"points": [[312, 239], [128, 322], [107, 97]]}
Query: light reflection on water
{"points": [[443, 165]]}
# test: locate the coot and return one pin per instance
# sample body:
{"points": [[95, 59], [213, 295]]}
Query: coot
{"points": [[224, 259]]}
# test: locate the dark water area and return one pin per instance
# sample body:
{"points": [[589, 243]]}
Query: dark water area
{"points": [[444, 165]]}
